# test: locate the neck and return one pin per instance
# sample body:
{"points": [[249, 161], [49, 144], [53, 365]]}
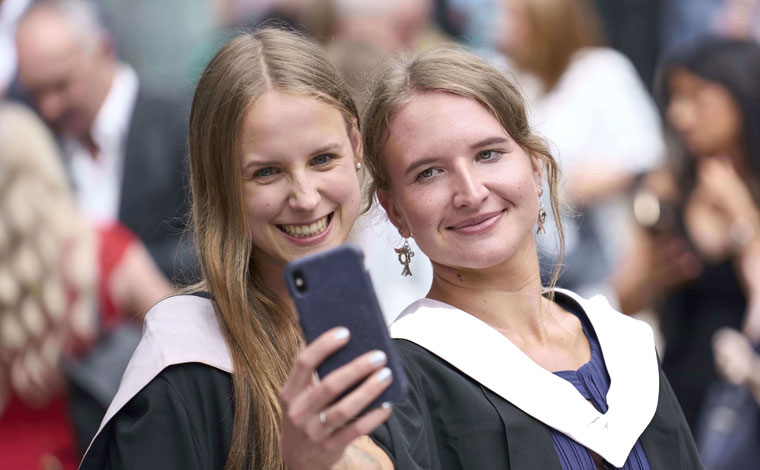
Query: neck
{"points": [[507, 296], [739, 156], [274, 279], [103, 87]]}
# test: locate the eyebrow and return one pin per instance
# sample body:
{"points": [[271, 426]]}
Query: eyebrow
{"points": [[419, 163], [495, 140], [318, 151], [327, 148]]}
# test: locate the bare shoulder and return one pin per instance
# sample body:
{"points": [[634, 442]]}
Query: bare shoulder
{"points": [[364, 454]]}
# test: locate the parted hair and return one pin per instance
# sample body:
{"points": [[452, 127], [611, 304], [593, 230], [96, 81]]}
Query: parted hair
{"points": [[451, 69], [262, 333]]}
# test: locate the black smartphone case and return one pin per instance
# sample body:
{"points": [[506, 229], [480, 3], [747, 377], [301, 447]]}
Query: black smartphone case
{"points": [[336, 290]]}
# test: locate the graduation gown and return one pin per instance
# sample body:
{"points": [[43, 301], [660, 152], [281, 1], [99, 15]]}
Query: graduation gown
{"points": [[174, 406], [477, 402]]}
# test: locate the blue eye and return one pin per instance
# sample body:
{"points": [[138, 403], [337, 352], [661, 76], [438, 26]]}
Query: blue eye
{"points": [[487, 155], [264, 173], [427, 173], [323, 159]]}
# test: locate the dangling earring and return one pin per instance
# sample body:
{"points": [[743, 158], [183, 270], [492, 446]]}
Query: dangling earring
{"points": [[541, 217], [358, 166], [405, 254]]}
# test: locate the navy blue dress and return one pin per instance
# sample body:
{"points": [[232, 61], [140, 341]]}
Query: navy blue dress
{"points": [[593, 382]]}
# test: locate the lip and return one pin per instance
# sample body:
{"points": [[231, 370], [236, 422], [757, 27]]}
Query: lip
{"points": [[478, 224], [313, 239]]}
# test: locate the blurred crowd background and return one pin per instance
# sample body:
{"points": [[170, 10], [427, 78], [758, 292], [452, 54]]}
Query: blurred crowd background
{"points": [[651, 106]]}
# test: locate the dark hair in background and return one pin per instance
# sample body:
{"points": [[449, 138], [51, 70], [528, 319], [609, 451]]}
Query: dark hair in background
{"points": [[733, 64]]}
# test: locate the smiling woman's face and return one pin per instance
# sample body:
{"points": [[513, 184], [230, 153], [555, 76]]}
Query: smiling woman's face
{"points": [[300, 189], [459, 184]]}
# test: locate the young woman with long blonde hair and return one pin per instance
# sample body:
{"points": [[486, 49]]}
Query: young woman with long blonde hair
{"points": [[274, 154], [503, 371]]}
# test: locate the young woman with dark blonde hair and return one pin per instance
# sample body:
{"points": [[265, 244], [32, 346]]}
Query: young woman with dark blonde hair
{"points": [[274, 154], [503, 372]]}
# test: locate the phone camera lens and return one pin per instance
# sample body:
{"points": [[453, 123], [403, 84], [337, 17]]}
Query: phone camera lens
{"points": [[299, 281]]}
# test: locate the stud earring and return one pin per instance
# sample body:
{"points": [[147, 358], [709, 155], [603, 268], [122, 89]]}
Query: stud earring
{"points": [[358, 166], [541, 217], [405, 255]]}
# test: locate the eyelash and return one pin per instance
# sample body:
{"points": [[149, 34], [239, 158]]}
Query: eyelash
{"points": [[494, 154], [330, 157], [318, 161], [258, 174]]}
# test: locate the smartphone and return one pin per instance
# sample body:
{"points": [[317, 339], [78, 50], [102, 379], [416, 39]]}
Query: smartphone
{"points": [[333, 288]]}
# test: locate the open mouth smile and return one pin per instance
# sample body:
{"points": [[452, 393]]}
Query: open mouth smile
{"points": [[309, 230]]}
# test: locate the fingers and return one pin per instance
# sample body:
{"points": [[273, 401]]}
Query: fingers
{"points": [[361, 427], [340, 414], [309, 358], [306, 408], [733, 355]]}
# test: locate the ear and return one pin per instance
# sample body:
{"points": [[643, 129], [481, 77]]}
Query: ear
{"points": [[538, 170], [394, 214], [356, 142]]}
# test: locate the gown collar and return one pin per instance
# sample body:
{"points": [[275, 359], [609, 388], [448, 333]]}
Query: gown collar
{"points": [[177, 330], [479, 351]]}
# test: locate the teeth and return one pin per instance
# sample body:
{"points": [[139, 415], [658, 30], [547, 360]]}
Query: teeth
{"points": [[304, 231]]}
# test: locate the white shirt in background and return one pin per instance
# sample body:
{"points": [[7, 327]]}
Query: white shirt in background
{"points": [[98, 179]]}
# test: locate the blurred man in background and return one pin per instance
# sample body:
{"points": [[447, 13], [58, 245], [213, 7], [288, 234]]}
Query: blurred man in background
{"points": [[124, 149]]}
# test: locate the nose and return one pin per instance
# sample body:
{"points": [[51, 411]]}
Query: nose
{"points": [[304, 194], [50, 104], [469, 190], [681, 114]]}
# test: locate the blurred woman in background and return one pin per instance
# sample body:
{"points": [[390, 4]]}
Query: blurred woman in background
{"points": [[65, 287], [590, 104], [698, 259]]}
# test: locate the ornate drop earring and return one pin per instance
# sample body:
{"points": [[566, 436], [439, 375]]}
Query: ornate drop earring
{"points": [[541, 217], [405, 254]]}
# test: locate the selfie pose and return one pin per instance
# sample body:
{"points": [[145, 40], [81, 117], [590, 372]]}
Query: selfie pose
{"points": [[274, 154], [503, 372]]}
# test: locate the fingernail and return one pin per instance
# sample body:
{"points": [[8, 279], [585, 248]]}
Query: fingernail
{"points": [[342, 333], [377, 358], [386, 405], [384, 375]]}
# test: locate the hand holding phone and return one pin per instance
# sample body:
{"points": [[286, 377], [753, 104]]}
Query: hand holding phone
{"points": [[333, 289]]}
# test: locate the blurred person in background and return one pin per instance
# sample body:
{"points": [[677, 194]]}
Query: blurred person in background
{"points": [[683, 22], [10, 12], [124, 148], [588, 101], [60, 282], [696, 259], [366, 32]]}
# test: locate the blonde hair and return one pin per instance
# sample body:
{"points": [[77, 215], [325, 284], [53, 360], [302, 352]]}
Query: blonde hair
{"points": [[261, 331], [557, 30], [48, 268], [451, 69]]}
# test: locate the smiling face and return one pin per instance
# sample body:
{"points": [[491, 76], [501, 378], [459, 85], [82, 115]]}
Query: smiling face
{"points": [[459, 184], [300, 189]]}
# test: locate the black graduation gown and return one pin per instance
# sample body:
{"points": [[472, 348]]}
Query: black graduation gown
{"points": [[481, 430], [181, 420]]}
